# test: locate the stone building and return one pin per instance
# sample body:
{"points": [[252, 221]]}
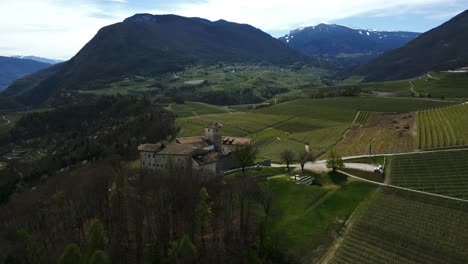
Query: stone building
{"points": [[211, 153]]}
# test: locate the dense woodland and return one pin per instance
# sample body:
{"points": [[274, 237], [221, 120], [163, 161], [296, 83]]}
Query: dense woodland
{"points": [[86, 202]]}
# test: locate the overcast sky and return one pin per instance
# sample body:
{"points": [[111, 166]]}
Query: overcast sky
{"points": [[59, 28]]}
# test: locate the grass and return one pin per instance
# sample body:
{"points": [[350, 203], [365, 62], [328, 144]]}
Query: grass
{"points": [[443, 173], [195, 108], [443, 127], [372, 176], [449, 85], [273, 149], [307, 217], [404, 227]]}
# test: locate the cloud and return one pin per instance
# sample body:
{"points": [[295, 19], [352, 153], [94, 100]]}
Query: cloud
{"points": [[51, 28], [60, 28]]}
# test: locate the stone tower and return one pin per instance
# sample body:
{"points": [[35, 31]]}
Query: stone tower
{"points": [[213, 134]]}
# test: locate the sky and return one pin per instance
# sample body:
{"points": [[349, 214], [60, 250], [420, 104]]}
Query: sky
{"points": [[58, 29]]}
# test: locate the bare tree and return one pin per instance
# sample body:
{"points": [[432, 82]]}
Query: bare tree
{"points": [[246, 156], [305, 157], [287, 156], [334, 161]]}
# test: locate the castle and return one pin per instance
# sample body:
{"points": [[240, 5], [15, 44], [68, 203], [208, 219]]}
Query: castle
{"points": [[211, 153]]}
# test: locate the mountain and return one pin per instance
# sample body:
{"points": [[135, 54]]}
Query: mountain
{"points": [[39, 59], [341, 42], [147, 45], [28, 82], [442, 48], [12, 69]]}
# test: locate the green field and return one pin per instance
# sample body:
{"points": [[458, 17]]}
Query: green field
{"points": [[404, 227], [343, 109], [443, 173], [443, 127], [235, 124], [308, 217], [449, 85], [195, 108]]}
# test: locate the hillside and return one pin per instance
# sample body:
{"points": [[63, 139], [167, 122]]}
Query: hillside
{"points": [[13, 68], [344, 43], [147, 45], [442, 48]]}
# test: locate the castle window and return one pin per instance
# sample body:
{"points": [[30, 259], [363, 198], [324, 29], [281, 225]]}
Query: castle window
{"points": [[144, 164]]}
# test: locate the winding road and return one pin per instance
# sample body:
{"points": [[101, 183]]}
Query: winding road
{"points": [[411, 88], [320, 166]]}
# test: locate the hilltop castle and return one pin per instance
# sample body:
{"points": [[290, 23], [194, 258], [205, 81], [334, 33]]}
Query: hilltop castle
{"points": [[210, 153]]}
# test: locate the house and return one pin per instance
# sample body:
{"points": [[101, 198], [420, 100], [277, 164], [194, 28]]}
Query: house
{"points": [[211, 153]]}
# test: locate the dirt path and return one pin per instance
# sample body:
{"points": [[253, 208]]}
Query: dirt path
{"points": [[7, 121], [405, 189], [412, 90], [431, 77]]}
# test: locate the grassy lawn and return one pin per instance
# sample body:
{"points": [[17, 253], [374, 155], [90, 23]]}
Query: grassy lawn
{"points": [[306, 217], [273, 150]]}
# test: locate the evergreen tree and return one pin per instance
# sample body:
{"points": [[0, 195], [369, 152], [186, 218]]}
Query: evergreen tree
{"points": [[71, 255]]}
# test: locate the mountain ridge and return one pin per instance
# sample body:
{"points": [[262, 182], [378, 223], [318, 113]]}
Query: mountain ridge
{"points": [[147, 45], [441, 48]]}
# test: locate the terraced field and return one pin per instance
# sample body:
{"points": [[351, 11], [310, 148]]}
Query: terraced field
{"points": [[443, 127], [380, 133], [404, 227], [443, 173]]}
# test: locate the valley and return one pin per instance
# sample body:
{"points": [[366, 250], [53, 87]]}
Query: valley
{"points": [[170, 139]]}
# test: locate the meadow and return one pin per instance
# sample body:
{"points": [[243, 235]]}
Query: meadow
{"points": [[443, 127], [307, 218], [403, 227], [448, 85], [443, 173]]}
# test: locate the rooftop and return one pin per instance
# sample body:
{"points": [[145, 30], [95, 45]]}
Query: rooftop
{"points": [[197, 142], [214, 125], [236, 141], [177, 149], [150, 147], [206, 158]]}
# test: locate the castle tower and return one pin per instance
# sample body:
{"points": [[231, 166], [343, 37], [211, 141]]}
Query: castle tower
{"points": [[213, 134]]}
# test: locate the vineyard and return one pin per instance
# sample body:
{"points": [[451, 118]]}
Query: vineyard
{"points": [[377, 140], [404, 227], [320, 140], [443, 127], [234, 124], [265, 136], [361, 118], [443, 173]]}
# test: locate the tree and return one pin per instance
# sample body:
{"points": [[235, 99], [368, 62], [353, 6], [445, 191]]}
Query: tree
{"points": [[334, 161], [287, 156], [304, 157], [183, 251], [96, 238], [99, 257], [203, 213], [71, 255], [246, 156]]}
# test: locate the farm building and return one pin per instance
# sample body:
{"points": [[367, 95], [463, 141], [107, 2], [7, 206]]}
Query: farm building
{"points": [[209, 153]]}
